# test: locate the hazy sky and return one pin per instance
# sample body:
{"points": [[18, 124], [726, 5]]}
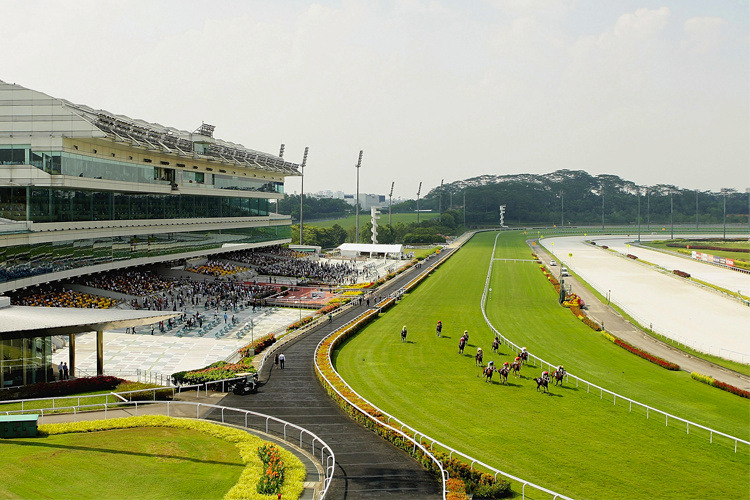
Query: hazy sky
{"points": [[652, 91]]}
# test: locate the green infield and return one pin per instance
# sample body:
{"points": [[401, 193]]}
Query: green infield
{"points": [[364, 218], [125, 463], [570, 441]]}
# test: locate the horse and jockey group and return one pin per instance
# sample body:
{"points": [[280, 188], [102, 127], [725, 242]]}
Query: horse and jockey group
{"points": [[507, 368]]}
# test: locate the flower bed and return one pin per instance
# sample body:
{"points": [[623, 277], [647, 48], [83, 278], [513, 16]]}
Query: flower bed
{"points": [[643, 354], [300, 323], [62, 388], [215, 371], [470, 477], [273, 470], [328, 308], [258, 345], [247, 445], [720, 385]]}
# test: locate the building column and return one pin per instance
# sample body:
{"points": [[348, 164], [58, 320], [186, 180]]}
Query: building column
{"points": [[72, 355], [99, 353]]}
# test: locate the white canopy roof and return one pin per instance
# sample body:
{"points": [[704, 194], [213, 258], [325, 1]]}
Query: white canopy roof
{"points": [[370, 248]]}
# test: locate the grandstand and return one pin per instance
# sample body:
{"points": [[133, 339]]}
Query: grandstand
{"points": [[85, 191]]}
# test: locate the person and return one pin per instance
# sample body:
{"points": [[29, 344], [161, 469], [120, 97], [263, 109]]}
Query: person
{"points": [[60, 371], [403, 334], [439, 327], [561, 370], [491, 364], [65, 371], [330, 317], [282, 358], [276, 360], [466, 335], [152, 329], [545, 375]]}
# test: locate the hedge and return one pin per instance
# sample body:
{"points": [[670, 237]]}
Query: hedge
{"points": [[720, 385], [643, 354], [246, 443], [62, 388], [258, 345], [219, 370]]}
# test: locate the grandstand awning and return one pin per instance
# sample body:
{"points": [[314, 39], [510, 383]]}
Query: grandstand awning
{"points": [[369, 248], [27, 321]]}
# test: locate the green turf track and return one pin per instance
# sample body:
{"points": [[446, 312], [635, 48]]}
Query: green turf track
{"points": [[143, 463], [571, 442]]}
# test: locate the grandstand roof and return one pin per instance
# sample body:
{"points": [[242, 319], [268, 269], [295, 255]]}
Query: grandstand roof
{"points": [[77, 120], [26, 321]]}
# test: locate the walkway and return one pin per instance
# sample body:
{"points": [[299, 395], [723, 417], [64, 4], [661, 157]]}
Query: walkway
{"points": [[366, 465], [622, 328]]}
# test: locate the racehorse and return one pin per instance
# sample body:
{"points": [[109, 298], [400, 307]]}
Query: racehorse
{"points": [[479, 357], [495, 345], [487, 372], [558, 374], [515, 368], [461, 345], [524, 355], [542, 382], [503, 373]]}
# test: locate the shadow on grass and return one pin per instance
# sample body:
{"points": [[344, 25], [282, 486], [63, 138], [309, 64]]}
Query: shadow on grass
{"points": [[38, 443]]}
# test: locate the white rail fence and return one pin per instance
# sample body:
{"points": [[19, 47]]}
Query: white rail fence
{"points": [[602, 391], [252, 420]]}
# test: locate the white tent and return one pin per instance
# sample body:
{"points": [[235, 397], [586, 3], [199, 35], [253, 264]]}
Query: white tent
{"points": [[358, 249]]}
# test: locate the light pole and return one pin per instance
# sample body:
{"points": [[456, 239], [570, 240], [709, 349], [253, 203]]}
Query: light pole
{"points": [[671, 215], [464, 207], [602, 193], [390, 202], [639, 213], [302, 194], [562, 209], [648, 209], [419, 191], [356, 200], [440, 202], [724, 192], [696, 210]]}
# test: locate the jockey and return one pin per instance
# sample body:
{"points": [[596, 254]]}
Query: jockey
{"points": [[523, 350], [518, 359], [505, 365], [561, 369], [545, 375], [491, 364]]}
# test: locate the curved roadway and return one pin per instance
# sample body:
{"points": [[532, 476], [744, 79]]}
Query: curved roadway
{"points": [[366, 465]]}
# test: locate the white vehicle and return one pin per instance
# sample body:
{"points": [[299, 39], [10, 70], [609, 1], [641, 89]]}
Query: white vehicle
{"points": [[552, 263], [564, 271]]}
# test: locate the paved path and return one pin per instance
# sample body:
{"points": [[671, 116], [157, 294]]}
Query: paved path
{"points": [[622, 328], [366, 465]]}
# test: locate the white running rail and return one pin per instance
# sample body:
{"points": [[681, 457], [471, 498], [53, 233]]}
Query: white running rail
{"points": [[602, 391]]}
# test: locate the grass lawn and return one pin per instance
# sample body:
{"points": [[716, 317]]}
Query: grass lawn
{"points": [[571, 441], [139, 463], [351, 220]]}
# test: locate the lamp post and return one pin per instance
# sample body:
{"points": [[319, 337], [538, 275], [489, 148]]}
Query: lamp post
{"points": [[390, 202], [562, 209], [302, 195], [639, 213], [671, 214], [696, 210], [464, 207], [440, 202], [356, 200], [419, 191], [648, 209], [602, 193], [724, 192]]}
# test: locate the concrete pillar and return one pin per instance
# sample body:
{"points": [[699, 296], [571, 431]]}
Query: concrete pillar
{"points": [[99, 353], [72, 355]]}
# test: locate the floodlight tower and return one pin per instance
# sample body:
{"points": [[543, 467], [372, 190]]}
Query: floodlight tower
{"points": [[281, 155], [724, 192], [562, 209], [356, 200], [440, 203], [374, 216], [390, 202], [419, 191], [671, 214], [639, 212], [302, 195]]}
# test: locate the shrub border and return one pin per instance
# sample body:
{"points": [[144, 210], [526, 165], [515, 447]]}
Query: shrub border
{"points": [[641, 353], [707, 379], [246, 443]]}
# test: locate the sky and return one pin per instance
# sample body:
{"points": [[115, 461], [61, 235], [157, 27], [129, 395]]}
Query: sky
{"points": [[656, 92]]}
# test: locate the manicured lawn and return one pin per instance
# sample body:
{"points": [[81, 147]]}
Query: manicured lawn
{"points": [[127, 463], [572, 441], [351, 220]]}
